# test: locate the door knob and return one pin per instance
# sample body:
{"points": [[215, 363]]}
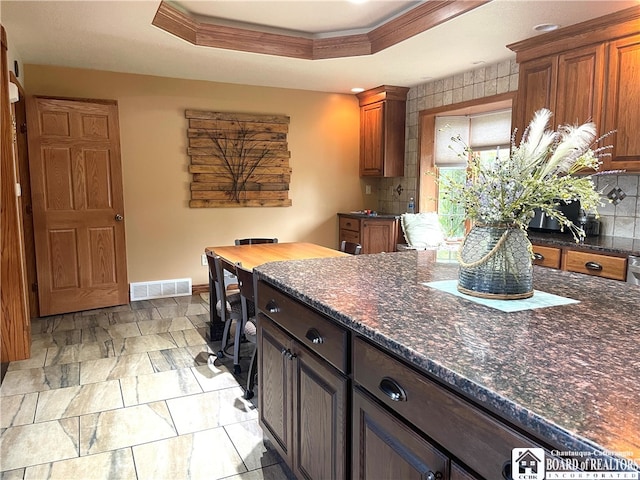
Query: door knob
{"points": [[119, 217]]}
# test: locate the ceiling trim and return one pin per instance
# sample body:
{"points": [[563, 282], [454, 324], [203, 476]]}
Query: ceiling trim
{"points": [[419, 19]]}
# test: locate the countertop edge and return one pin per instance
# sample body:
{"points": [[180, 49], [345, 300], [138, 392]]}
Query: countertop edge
{"points": [[500, 406]]}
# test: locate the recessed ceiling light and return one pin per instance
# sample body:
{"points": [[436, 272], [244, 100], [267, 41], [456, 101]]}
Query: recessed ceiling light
{"points": [[357, 89], [546, 27]]}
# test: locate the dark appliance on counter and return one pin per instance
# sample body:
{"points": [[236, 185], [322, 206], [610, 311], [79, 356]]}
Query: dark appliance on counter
{"points": [[541, 222]]}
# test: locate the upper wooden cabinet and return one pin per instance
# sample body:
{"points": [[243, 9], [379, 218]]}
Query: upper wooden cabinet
{"points": [[382, 131], [583, 78]]}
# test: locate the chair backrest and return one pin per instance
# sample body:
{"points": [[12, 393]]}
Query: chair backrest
{"points": [[251, 241], [215, 271], [350, 247], [245, 282]]}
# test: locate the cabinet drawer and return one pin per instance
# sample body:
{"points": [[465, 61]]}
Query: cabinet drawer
{"points": [[547, 256], [350, 236], [596, 264], [477, 439], [348, 223], [322, 336]]}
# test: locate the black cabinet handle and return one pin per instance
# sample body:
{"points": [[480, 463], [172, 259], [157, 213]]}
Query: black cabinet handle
{"points": [[314, 336], [284, 351], [506, 471], [272, 307], [434, 476], [538, 256], [593, 266], [393, 390]]}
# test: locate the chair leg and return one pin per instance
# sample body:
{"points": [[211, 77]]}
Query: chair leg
{"points": [[248, 394], [225, 338], [238, 339]]}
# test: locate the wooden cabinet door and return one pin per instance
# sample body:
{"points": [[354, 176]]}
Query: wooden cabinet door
{"points": [[274, 377], [385, 448], [536, 89], [372, 139], [622, 107], [580, 86], [78, 206], [320, 417], [379, 236]]}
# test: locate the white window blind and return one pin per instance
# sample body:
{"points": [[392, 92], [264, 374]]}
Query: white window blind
{"points": [[481, 131], [446, 128], [490, 130]]}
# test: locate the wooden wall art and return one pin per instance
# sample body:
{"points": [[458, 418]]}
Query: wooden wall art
{"points": [[238, 160]]}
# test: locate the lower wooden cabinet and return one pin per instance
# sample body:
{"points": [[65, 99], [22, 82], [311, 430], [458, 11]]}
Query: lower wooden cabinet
{"points": [[375, 234], [384, 448], [546, 256], [302, 403], [581, 261], [595, 264]]}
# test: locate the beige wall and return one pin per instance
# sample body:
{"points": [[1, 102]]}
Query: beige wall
{"points": [[165, 238]]}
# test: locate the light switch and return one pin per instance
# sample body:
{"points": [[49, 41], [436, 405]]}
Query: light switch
{"points": [[367, 189]]}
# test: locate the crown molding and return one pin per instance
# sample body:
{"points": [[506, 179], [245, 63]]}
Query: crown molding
{"points": [[205, 34]]}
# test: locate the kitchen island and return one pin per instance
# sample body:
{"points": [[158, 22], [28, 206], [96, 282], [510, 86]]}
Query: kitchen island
{"points": [[566, 377]]}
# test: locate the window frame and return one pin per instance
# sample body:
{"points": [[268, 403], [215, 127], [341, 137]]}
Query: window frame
{"points": [[427, 173]]}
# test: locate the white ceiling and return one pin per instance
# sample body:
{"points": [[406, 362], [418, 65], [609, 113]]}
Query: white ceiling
{"points": [[118, 36]]}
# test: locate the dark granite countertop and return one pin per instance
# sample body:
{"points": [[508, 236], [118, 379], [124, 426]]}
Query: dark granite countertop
{"points": [[568, 374], [601, 243], [374, 215]]}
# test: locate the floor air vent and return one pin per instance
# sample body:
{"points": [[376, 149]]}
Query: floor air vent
{"points": [[159, 289]]}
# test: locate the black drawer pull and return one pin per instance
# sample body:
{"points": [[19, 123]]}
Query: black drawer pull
{"points": [[506, 471], [538, 256], [272, 307], [593, 266], [314, 336], [284, 351], [393, 390], [434, 476]]}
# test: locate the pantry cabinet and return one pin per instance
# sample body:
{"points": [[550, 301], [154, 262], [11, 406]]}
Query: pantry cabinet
{"points": [[382, 131], [584, 78]]}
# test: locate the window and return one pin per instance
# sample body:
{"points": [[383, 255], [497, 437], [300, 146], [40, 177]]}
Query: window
{"points": [[487, 134]]}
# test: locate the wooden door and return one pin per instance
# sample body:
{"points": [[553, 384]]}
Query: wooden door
{"points": [[78, 209], [384, 448], [320, 417], [372, 139], [274, 378], [379, 236], [580, 86], [622, 107], [15, 333], [536, 89]]}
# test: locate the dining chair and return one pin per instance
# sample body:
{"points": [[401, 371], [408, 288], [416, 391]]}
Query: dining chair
{"points": [[350, 247], [249, 330], [251, 241], [228, 306]]}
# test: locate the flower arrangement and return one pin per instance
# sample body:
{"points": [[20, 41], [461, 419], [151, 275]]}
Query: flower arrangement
{"points": [[538, 173]]}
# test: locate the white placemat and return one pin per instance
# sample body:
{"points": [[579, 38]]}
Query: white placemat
{"points": [[539, 299]]}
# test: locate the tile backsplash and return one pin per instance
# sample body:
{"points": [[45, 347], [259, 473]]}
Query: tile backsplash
{"points": [[620, 212], [620, 219]]}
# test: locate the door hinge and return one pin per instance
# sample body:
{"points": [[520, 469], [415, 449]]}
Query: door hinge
{"points": [[34, 287], [23, 128]]}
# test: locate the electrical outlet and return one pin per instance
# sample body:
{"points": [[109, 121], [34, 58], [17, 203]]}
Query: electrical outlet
{"points": [[367, 189], [203, 259]]}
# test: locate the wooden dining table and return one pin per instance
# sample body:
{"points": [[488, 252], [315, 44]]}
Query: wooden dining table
{"points": [[250, 256]]}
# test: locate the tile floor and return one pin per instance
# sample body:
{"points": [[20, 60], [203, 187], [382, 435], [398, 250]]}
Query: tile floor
{"points": [[128, 393]]}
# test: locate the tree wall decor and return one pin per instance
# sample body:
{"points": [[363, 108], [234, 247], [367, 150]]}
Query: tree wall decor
{"points": [[238, 160]]}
